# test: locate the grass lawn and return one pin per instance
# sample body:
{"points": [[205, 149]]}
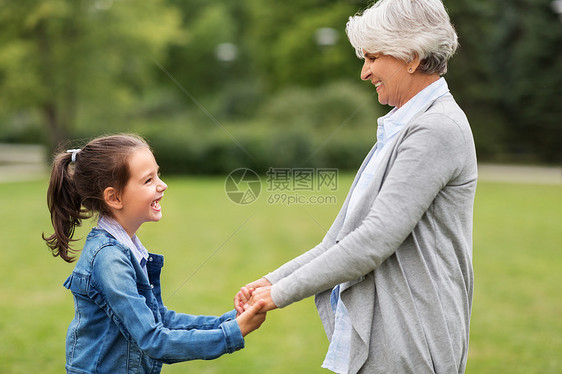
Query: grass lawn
{"points": [[213, 246]]}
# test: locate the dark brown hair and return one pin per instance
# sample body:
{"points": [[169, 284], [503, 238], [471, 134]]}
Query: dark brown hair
{"points": [[76, 189]]}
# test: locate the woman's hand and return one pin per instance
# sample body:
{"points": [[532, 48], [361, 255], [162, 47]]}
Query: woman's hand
{"points": [[262, 295], [243, 296]]}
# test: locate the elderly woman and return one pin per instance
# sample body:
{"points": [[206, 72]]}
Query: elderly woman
{"points": [[393, 276]]}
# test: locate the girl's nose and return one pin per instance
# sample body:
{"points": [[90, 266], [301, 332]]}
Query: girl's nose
{"points": [[162, 186]]}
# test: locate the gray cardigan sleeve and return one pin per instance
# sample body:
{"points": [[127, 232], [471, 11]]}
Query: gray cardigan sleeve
{"points": [[427, 156]]}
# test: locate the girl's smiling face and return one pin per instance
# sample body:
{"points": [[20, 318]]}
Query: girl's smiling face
{"points": [[140, 199]]}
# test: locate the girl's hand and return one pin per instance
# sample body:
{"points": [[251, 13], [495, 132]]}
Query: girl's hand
{"points": [[243, 296], [252, 318]]}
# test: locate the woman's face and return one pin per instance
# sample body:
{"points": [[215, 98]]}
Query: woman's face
{"points": [[390, 77]]}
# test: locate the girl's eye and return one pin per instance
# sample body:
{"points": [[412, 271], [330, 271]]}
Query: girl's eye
{"points": [[148, 180]]}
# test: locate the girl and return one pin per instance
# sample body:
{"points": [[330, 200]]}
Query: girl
{"points": [[120, 323]]}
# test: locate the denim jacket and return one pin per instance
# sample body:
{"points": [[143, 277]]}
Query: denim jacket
{"points": [[120, 324]]}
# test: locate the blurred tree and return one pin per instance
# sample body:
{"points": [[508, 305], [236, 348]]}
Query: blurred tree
{"points": [[61, 56], [507, 77], [300, 42], [213, 64], [471, 73], [527, 64], [194, 64], [103, 62]]}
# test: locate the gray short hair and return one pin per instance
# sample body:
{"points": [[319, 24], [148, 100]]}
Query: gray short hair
{"points": [[405, 29]]}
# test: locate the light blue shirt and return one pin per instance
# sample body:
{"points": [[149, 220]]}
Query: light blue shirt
{"points": [[390, 125], [118, 232]]}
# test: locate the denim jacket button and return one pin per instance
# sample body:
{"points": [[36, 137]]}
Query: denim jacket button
{"points": [[151, 286], [150, 259]]}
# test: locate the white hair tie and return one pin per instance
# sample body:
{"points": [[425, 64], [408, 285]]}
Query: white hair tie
{"points": [[74, 152]]}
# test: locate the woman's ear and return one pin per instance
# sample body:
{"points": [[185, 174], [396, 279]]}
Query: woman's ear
{"points": [[111, 198], [413, 64]]}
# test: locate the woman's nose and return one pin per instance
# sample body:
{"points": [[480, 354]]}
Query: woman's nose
{"points": [[365, 71]]}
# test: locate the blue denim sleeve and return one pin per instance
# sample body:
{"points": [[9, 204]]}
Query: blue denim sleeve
{"points": [[115, 289], [174, 320]]}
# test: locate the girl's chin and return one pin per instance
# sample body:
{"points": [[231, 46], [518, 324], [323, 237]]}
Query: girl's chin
{"points": [[156, 217]]}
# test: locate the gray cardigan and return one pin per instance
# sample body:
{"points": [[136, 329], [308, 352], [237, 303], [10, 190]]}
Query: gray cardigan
{"points": [[404, 254]]}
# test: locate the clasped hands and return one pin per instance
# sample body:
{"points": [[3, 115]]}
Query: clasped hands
{"points": [[250, 294], [251, 303]]}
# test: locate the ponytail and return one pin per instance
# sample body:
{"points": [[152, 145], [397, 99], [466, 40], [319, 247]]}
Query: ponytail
{"points": [[65, 206]]}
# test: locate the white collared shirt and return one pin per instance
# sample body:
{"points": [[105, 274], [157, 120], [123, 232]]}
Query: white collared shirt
{"points": [[389, 126]]}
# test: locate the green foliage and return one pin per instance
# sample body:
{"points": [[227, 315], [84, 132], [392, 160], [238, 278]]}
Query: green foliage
{"points": [[331, 126], [213, 246], [69, 68], [290, 53], [194, 63], [508, 69], [327, 106], [61, 58]]}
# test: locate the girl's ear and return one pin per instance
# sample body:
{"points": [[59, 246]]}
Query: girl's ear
{"points": [[112, 198]]}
